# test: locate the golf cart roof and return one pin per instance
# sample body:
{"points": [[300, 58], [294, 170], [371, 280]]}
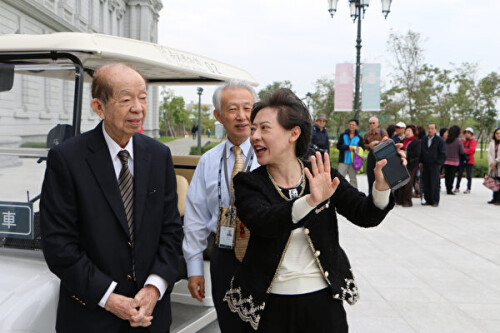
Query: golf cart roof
{"points": [[159, 64]]}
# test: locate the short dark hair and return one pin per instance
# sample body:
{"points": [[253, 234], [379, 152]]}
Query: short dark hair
{"points": [[413, 128], [442, 131], [101, 87], [355, 120], [420, 132], [453, 133], [291, 112]]}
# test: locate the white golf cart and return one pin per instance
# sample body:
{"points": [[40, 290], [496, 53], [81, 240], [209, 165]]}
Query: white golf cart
{"points": [[44, 99]]}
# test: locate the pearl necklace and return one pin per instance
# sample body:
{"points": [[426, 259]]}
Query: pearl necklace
{"points": [[293, 192]]}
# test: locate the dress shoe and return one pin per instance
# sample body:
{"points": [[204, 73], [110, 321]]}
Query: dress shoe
{"points": [[428, 204], [435, 205], [456, 190], [467, 192], [491, 201], [450, 193]]}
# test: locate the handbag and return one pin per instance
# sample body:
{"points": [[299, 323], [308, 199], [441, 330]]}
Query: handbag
{"points": [[357, 159], [491, 182]]}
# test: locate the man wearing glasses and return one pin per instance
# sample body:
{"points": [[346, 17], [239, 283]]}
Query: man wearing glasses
{"points": [[372, 138]]}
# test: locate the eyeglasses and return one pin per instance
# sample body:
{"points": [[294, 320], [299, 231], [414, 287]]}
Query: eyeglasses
{"points": [[372, 123]]}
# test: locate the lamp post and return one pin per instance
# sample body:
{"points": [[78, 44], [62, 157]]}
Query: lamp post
{"points": [[200, 91], [358, 8]]}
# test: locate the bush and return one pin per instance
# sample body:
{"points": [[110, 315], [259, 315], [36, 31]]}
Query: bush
{"points": [[34, 145], [206, 147]]}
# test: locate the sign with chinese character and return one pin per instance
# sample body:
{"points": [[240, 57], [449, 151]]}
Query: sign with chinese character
{"points": [[371, 87], [16, 219], [343, 87]]}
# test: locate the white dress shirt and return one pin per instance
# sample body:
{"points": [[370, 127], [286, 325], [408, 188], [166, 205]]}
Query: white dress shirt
{"points": [[114, 149], [202, 203]]}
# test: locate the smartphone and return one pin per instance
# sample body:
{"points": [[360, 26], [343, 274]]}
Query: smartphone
{"points": [[395, 172]]}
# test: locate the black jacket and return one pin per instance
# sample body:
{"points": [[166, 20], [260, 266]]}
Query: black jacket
{"points": [[269, 218], [413, 153], [435, 154], [342, 147], [320, 138]]}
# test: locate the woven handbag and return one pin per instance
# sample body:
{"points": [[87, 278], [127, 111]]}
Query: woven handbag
{"points": [[491, 182]]}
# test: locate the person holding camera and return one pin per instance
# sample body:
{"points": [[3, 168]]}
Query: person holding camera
{"points": [[295, 274]]}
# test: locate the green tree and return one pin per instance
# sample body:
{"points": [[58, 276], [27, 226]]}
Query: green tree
{"points": [[270, 88], [408, 55], [173, 114], [489, 88]]}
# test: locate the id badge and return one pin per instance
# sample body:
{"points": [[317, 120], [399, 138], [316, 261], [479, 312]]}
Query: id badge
{"points": [[226, 227]]}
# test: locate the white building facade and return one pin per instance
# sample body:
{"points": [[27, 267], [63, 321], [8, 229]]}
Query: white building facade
{"points": [[38, 103]]}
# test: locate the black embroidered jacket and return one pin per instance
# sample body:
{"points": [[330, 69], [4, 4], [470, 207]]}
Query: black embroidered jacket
{"points": [[269, 218]]}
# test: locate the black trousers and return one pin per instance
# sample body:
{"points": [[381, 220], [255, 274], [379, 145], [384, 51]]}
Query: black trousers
{"points": [[431, 180], [370, 165], [449, 176], [223, 265], [468, 172], [315, 312]]}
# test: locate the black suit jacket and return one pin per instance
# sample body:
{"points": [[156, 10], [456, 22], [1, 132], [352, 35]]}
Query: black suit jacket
{"points": [[85, 233]]}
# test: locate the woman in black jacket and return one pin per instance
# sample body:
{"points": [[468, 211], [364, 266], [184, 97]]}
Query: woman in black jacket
{"points": [[295, 275]]}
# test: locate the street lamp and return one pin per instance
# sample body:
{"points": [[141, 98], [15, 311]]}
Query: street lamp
{"points": [[358, 8], [200, 91]]}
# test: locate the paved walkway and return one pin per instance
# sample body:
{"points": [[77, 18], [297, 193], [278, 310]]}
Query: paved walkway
{"points": [[427, 269], [182, 146]]}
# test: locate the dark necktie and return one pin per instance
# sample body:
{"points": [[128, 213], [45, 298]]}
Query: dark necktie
{"points": [[126, 184]]}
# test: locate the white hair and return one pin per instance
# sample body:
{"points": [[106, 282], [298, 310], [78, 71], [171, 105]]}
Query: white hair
{"points": [[373, 118], [233, 84]]}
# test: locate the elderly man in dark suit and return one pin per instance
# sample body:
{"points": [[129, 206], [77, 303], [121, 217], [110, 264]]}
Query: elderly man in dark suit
{"points": [[110, 226], [432, 156]]}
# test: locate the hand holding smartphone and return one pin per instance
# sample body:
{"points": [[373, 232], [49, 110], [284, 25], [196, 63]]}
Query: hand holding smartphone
{"points": [[395, 173]]}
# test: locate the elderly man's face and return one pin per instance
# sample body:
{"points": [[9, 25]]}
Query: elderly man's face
{"points": [[236, 107], [431, 130], [373, 124], [125, 111]]}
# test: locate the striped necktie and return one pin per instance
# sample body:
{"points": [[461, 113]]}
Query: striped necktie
{"points": [[126, 184]]}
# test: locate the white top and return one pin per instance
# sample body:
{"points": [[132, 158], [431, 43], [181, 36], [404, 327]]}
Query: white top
{"points": [[299, 272], [153, 279], [202, 204]]}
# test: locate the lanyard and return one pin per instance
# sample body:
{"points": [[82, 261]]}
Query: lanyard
{"points": [[248, 165]]}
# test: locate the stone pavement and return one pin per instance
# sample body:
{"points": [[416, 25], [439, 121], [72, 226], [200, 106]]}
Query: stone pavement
{"points": [[427, 269], [182, 146]]}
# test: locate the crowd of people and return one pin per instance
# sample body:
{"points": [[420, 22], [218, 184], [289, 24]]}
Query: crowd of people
{"points": [[430, 157]]}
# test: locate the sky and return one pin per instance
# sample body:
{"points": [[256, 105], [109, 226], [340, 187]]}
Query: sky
{"points": [[296, 40]]}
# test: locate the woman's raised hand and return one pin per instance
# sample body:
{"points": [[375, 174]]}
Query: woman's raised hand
{"points": [[321, 185]]}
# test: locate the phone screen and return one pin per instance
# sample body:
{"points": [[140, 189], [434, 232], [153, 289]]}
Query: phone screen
{"points": [[395, 173]]}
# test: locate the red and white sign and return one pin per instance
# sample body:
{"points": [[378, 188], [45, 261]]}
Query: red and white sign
{"points": [[343, 87]]}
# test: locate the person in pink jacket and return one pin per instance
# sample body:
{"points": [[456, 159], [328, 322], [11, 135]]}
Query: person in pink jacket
{"points": [[470, 149]]}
